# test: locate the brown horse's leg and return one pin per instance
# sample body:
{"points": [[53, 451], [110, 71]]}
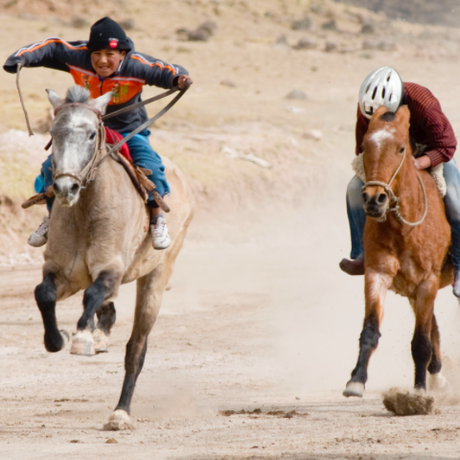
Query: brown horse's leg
{"points": [[376, 286], [103, 287], [436, 381], [422, 344], [45, 296], [435, 364]]}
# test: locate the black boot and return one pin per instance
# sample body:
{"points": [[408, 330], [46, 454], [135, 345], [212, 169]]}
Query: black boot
{"points": [[355, 267]]}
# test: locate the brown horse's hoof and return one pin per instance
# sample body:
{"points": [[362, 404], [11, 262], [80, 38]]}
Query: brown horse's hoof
{"points": [[101, 341], [352, 267], [354, 389], [437, 382], [119, 420], [82, 344]]}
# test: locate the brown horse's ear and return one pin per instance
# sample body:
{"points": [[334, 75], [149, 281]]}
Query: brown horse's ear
{"points": [[403, 116]]}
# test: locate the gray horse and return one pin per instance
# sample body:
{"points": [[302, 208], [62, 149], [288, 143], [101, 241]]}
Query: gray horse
{"points": [[98, 239]]}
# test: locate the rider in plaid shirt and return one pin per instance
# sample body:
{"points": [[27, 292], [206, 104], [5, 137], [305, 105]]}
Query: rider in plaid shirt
{"points": [[428, 127]]}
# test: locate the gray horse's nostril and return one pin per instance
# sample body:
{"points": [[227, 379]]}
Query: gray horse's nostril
{"points": [[382, 198], [74, 189]]}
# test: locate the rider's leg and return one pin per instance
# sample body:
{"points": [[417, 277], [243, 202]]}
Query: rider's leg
{"points": [[452, 204], [144, 156], [356, 219], [43, 181]]}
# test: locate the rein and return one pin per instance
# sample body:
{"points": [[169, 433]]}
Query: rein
{"points": [[394, 200], [88, 173]]}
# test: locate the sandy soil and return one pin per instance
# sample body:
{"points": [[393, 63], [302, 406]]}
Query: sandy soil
{"points": [[256, 325], [259, 316]]}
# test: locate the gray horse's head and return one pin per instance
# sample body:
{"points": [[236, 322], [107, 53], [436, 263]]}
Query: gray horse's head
{"points": [[75, 137]]}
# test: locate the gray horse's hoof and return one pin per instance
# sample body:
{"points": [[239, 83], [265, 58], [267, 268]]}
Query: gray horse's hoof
{"points": [[83, 344], [65, 338], [354, 389], [101, 341], [119, 420]]}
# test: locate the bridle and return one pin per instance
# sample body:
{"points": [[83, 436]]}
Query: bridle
{"points": [[394, 200], [88, 173]]}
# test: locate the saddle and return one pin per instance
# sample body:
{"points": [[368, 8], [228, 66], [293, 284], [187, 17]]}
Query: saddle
{"points": [[138, 175]]}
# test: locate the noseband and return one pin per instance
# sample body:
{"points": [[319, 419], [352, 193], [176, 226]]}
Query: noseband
{"points": [[88, 173], [394, 200]]}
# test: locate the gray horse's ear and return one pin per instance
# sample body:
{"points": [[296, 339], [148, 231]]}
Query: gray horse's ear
{"points": [[55, 100], [101, 102]]}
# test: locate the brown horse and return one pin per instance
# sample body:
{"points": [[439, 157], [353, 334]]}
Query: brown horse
{"points": [[406, 241]]}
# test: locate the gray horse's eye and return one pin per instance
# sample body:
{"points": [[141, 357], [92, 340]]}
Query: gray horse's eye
{"points": [[92, 135]]}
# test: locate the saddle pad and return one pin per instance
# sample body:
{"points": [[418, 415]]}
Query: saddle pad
{"points": [[112, 137], [436, 173]]}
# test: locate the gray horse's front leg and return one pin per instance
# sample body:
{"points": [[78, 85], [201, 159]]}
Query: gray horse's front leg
{"points": [[106, 316], [45, 296], [93, 298]]}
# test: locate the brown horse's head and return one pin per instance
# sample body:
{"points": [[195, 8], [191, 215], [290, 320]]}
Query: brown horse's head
{"points": [[384, 145]]}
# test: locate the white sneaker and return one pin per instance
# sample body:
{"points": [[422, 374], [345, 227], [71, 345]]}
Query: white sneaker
{"points": [[160, 235], [40, 236]]}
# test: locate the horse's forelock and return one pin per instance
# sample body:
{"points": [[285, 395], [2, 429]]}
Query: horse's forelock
{"points": [[77, 94], [388, 116]]}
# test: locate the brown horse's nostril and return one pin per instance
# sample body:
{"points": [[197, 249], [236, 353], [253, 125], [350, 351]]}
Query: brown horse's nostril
{"points": [[365, 197], [382, 198]]}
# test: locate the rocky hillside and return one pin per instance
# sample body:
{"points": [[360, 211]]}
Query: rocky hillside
{"points": [[439, 12]]}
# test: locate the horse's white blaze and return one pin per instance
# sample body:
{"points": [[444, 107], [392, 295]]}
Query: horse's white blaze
{"points": [[77, 149], [381, 136]]}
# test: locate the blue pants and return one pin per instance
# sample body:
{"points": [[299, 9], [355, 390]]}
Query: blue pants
{"points": [[357, 216], [142, 154]]}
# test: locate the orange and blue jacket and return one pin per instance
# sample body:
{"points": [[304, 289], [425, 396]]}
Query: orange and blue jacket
{"points": [[136, 70]]}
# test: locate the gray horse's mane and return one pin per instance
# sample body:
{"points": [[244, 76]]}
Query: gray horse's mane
{"points": [[77, 94]]}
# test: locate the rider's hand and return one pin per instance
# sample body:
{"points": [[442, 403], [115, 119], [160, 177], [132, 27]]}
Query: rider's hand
{"points": [[423, 162], [184, 81]]}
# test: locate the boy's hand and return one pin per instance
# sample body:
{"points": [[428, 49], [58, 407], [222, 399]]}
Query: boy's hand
{"points": [[184, 81]]}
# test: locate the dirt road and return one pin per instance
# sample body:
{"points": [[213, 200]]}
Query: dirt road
{"points": [[269, 323], [259, 317]]}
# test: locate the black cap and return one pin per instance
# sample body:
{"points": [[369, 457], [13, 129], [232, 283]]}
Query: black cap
{"points": [[106, 34]]}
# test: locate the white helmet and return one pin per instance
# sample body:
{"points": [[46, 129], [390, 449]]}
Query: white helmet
{"points": [[381, 87]]}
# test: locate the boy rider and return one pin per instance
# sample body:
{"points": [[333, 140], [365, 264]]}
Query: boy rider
{"points": [[428, 127], [109, 62]]}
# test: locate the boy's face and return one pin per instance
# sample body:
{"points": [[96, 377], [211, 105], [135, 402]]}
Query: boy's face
{"points": [[106, 62]]}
